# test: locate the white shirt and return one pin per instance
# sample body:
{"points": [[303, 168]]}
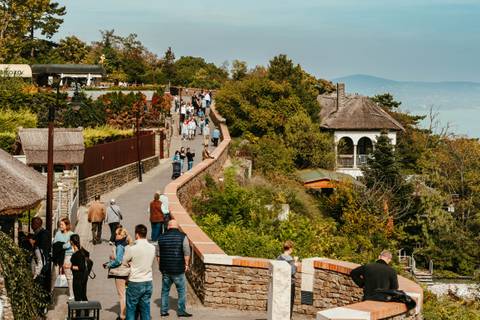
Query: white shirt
{"points": [[207, 97], [183, 109], [140, 258], [206, 131]]}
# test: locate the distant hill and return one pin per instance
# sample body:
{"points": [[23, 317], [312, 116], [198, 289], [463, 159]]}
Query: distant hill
{"points": [[458, 102]]}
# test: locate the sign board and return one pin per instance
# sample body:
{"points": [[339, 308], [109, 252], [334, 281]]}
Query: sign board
{"points": [[15, 70]]}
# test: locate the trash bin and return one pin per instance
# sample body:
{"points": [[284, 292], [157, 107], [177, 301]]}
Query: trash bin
{"points": [[84, 310]]}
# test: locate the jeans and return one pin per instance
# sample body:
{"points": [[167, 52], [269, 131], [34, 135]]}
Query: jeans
{"points": [[113, 228], [156, 230], [139, 295], [190, 165], [96, 232], [167, 281]]}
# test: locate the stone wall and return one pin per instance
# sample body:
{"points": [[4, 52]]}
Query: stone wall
{"points": [[110, 180], [236, 287]]}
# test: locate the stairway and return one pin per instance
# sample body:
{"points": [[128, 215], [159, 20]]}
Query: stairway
{"points": [[423, 277]]}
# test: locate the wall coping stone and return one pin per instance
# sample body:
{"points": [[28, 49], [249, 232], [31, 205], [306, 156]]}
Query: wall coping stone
{"points": [[212, 254]]}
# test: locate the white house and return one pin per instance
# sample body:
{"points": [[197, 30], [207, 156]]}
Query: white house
{"points": [[356, 121]]}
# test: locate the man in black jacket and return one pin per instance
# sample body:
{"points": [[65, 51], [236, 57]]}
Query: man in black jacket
{"points": [[42, 238], [174, 257], [376, 276]]}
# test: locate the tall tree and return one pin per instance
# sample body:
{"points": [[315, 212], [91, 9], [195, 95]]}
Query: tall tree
{"points": [[72, 50], [239, 69], [169, 64]]}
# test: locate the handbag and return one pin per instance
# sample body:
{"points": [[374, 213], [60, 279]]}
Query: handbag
{"points": [[61, 281], [120, 271]]}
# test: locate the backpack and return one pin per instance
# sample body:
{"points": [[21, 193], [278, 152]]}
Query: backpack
{"points": [[88, 266]]}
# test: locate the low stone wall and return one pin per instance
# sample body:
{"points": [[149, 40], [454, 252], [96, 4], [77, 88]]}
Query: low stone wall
{"points": [[110, 180], [223, 281]]}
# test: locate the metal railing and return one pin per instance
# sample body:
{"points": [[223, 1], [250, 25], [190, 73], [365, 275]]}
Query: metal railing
{"points": [[73, 211], [345, 161]]}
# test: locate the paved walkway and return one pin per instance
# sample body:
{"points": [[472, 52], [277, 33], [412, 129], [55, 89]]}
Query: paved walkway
{"points": [[133, 199]]}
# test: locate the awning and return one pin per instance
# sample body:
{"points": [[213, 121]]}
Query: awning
{"points": [[71, 69], [15, 70]]}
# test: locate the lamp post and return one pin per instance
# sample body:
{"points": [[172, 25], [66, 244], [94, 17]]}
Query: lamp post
{"points": [[49, 207], [139, 159]]}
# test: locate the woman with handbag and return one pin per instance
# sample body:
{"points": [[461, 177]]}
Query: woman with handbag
{"points": [[117, 270], [63, 237]]}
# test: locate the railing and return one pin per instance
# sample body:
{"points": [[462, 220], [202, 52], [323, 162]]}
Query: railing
{"points": [[345, 161], [72, 213], [362, 159]]}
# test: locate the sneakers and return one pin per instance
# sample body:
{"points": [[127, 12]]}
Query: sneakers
{"points": [[164, 314], [72, 298], [110, 243], [184, 314]]}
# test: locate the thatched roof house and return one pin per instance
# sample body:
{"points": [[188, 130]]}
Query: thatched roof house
{"points": [[68, 146], [354, 112], [21, 188]]}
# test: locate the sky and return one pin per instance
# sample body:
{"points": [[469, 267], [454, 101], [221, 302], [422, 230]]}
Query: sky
{"points": [[423, 40]]}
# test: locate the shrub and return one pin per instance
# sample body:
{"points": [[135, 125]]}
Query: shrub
{"points": [[11, 120], [25, 295], [447, 308], [93, 136], [7, 141]]}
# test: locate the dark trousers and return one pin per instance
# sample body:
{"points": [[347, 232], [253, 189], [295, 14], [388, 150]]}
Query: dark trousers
{"points": [[96, 232], [113, 227], [215, 142], [79, 286], [292, 299]]}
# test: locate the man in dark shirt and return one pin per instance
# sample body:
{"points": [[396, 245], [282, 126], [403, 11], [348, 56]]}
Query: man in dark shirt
{"points": [[42, 238], [376, 276]]}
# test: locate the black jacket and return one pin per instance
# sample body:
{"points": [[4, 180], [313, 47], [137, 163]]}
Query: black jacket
{"points": [[170, 245], [43, 241], [375, 276]]}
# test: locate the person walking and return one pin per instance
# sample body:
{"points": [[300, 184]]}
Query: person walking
{"points": [[38, 260], [190, 156], [140, 258], [96, 215], [79, 269], [215, 137], [113, 219], [173, 256], [165, 211], [206, 134], [287, 256], [182, 157], [376, 276], [117, 270], [62, 236], [156, 216]]}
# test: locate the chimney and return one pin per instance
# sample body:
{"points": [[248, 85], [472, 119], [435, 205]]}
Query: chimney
{"points": [[340, 94]]}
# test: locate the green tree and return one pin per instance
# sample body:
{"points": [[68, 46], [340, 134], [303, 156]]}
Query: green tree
{"points": [[168, 66], [72, 50], [312, 147], [239, 69], [387, 101]]}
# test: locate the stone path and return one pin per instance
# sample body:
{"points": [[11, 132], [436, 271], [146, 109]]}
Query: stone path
{"points": [[133, 199]]}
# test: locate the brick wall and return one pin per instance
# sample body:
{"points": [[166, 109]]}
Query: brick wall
{"points": [[110, 180]]}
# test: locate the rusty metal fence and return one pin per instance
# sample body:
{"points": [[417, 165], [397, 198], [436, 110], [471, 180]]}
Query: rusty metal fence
{"points": [[112, 155]]}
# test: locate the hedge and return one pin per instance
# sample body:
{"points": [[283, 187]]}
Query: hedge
{"points": [[7, 141], [93, 136]]}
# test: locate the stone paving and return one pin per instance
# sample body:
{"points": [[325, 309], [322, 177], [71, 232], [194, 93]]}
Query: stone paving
{"points": [[133, 199]]}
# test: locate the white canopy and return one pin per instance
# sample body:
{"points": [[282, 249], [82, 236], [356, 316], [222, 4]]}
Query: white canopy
{"points": [[15, 70]]}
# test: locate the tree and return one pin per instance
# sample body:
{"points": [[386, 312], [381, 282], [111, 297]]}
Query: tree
{"points": [[312, 147], [168, 67], [387, 101], [72, 49], [44, 16], [383, 167], [239, 69]]}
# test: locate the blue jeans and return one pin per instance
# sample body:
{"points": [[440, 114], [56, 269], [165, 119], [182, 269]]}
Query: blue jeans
{"points": [[138, 295], [167, 281], [190, 165], [156, 230]]}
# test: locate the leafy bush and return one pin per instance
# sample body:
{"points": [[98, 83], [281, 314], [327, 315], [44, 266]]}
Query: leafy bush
{"points": [[25, 295], [11, 120], [7, 141], [447, 308], [93, 136]]}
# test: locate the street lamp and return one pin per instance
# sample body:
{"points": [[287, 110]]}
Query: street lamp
{"points": [[76, 101], [139, 158]]}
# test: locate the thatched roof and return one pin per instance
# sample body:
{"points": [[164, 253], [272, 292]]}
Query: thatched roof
{"points": [[354, 112], [21, 187], [68, 145]]}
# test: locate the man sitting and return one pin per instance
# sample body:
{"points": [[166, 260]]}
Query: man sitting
{"points": [[376, 276]]}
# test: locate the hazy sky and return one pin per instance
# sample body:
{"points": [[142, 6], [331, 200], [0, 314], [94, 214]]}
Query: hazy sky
{"points": [[431, 40]]}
